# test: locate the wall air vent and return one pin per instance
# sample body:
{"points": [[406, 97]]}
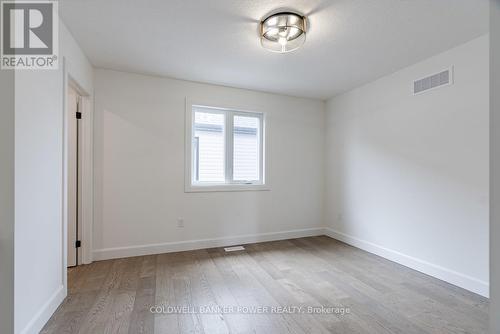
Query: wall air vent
{"points": [[440, 79]]}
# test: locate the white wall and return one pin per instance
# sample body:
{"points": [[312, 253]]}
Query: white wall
{"points": [[38, 194], [407, 176], [6, 201], [139, 169], [77, 64], [495, 168], [39, 268]]}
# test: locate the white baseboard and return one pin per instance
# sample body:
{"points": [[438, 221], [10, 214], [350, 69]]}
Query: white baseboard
{"points": [[177, 246], [43, 315], [464, 281]]}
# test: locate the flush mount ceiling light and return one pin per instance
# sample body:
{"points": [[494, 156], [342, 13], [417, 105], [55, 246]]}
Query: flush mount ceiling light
{"points": [[283, 32]]}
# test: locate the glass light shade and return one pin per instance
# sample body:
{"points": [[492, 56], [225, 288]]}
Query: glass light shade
{"points": [[283, 32]]}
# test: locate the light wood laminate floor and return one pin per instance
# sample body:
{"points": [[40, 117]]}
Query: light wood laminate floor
{"points": [[380, 296]]}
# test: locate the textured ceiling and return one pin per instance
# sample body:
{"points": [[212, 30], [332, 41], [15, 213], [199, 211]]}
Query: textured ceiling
{"points": [[349, 42]]}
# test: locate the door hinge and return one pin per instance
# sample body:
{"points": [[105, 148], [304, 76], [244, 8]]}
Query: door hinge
{"points": [[78, 243], [78, 115]]}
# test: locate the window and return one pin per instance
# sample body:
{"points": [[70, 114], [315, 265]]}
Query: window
{"points": [[224, 149]]}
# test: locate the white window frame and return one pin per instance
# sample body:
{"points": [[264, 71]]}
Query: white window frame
{"points": [[229, 185]]}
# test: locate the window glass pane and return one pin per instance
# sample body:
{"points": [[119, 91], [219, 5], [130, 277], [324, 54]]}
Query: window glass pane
{"points": [[246, 150], [208, 147]]}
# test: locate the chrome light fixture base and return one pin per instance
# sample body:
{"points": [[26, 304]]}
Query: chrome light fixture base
{"points": [[283, 32]]}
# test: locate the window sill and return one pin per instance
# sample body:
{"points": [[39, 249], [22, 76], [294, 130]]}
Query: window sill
{"points": [[226, 187]]}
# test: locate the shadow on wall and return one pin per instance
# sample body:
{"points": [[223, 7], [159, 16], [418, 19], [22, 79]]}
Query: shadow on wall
{"points": [[411, 174]]}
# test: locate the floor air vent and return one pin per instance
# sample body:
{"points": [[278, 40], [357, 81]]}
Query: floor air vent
{"points": [[433, 81], [234, 248]]}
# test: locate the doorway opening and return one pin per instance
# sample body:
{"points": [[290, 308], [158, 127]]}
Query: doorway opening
{"points": [[74, 230]]}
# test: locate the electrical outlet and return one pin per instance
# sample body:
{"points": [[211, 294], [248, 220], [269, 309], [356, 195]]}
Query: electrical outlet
{"points": [[180, 222]]}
